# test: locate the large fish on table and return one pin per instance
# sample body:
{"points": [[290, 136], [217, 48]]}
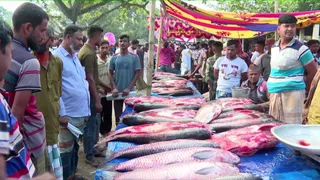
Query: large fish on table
{"points": [[240, 114], [147, 99], [166, 78], [247, 141], [169, 102], [256, 107], [221, 126], [208, 112], [148, 133], [168, 85], [173, 91], [157, 74], [181, 171], [176, 156], [183, 114], [227, 102], [157, 147]]}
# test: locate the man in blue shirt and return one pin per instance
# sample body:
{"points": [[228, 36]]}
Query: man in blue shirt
{"points": [[290, 59], [124, 71], [75, 100]]}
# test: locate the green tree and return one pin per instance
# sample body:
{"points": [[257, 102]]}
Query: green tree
{"points": [[119, 17], [6, 15], [267, 6]]}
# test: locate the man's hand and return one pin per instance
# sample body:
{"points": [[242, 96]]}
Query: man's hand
{"points": [[115, 93], [46, 176], [107, 90], [63, 121], [21, 127], [126, 92], [210, 84], [98, 107]]}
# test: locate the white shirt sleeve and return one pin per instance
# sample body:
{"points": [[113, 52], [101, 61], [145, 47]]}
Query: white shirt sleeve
{"points": [[254, 56], [217, 63]]}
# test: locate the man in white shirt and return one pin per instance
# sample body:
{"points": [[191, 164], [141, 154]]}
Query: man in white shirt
{"points": [[260, 51], [186, 59], [230, 70]]}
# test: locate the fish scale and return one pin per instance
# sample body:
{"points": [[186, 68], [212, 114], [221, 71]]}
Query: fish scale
{"points": [[147, 133], [183, 114], [181, 171], [178, 156], [152, 148]]}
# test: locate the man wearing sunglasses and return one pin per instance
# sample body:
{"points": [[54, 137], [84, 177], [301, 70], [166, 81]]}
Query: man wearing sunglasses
{"points": [[48, 100]]}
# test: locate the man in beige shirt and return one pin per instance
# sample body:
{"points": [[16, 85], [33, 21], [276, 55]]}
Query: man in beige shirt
{"points": [[103, 69]]}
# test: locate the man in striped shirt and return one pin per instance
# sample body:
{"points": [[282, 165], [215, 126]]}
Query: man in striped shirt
{"points": [[290, 59], [15, 161], [23, 79]]}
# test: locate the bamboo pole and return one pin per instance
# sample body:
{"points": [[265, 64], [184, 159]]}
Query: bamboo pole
{"points": [[315, 31], [276, 6], [159, 42], [151, 47]]}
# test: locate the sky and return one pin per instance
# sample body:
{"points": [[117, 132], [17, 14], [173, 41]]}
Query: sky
{"points": [[13, 4], [10, 5]]}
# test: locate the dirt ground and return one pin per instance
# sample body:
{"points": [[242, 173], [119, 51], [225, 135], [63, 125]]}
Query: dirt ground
{"points": [[85, 170]]}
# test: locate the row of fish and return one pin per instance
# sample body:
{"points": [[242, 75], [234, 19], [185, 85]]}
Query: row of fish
{"points": [[221, 115], [252, 137], [187, 138], [168, 84], [176, 159], [145, 103]]}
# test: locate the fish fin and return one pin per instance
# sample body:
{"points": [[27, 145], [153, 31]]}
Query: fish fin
{"points": [[174, 162], [105, 175], [108, 167], [110, 155], [202, 155], [100, 143], [240, 176], [206, 171]]}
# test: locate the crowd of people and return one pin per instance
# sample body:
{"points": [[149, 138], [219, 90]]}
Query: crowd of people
{"points": [[277, 73], [50, 86]]}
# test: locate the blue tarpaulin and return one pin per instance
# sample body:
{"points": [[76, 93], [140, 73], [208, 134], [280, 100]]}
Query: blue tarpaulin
{"points": [[277, 163]]}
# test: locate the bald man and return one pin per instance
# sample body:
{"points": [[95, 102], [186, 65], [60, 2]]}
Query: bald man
{"points": [[264, 62]]}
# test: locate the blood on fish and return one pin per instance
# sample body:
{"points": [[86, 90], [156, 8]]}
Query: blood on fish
{"points": [[304, 143]]}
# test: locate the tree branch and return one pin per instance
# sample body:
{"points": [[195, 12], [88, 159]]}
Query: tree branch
{"points": [[63, 8], [93, 7], [105, 13], [143, 6]]}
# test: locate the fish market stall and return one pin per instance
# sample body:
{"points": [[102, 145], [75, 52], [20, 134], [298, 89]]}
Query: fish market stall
{"points": [[277, 163], [164, 135]]}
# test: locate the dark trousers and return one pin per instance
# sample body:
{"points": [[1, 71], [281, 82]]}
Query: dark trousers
{"points": [[106, 116], [90, 132], [118, 108], [70, 162]]}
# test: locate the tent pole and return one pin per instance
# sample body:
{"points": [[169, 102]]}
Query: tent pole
{"points": [[159, 42], [151, 47], [276, 6]]}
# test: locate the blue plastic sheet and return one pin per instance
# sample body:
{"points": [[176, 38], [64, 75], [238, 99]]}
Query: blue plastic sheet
{"points": [[277, 163]]}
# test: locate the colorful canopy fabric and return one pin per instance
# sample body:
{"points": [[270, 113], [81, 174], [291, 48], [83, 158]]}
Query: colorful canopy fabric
{"points": [[232, 24], [176, 28]]}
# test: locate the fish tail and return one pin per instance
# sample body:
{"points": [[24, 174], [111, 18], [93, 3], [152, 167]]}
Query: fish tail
{"points": [[100, 143], [109, 167], [110, 155]]}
